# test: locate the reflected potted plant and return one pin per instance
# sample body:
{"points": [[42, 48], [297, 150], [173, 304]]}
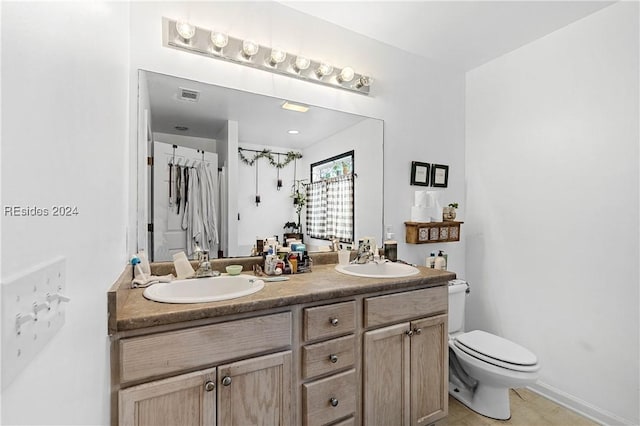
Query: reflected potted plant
{"points": [[449, 212]]}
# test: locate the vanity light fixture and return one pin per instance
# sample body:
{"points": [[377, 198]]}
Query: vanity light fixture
{"points": [[219, 40], [346, 75], [301, 63], [185, 30], [249, 48], [363, 82], [187, 37], [277, 56], [323, 70], [294, 107]]}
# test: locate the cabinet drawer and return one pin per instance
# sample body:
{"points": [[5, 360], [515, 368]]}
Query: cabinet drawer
{"points": [[329, 320], [329, 356], [329, 399], [174, 351], [396, 307]]}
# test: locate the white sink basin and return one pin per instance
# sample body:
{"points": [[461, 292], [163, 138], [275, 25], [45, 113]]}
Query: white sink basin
{"points": [[199, 290], [375, 270]]}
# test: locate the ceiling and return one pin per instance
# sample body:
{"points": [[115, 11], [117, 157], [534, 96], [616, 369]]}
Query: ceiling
{"points": [[460, 34]]}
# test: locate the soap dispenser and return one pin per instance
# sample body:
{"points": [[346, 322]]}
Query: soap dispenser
{"points": [[441, 262]]}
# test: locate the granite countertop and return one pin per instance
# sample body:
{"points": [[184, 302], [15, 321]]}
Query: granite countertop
{"points": [[129, 310]]}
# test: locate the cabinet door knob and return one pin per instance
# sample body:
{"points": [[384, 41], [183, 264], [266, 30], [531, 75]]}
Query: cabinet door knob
{"points": [[226, 380], [333, 402], [334, 322], [409, 333], [209, 386], [417, 330], [333, 358]]}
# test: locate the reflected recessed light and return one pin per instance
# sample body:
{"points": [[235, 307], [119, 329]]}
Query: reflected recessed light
{"points": [[294, 107], [293, 132]]}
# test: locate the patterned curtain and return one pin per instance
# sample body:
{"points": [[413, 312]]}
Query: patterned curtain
{"points": [[330, 208]]}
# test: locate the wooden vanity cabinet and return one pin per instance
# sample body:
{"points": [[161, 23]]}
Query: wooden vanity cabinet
{"points": [[188, 399], [255, 391], [376, 358], [252, 390], [405, 365]]}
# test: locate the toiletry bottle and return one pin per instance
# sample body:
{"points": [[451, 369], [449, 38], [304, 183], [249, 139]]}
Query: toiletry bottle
{"points": [[440, 262], [431, 260], [391, 250]]}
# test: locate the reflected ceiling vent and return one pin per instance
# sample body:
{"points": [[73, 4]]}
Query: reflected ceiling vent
{"points": [[189, 95]]}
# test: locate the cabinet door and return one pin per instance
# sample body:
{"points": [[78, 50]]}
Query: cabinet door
{"points": [[429, 370], [386, 376], [189, 399], [256, 391]]}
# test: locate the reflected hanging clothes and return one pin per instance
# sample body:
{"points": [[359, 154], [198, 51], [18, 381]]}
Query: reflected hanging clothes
{"points": [[199, 218]]}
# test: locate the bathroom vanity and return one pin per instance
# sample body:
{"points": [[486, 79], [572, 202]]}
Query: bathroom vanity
{"points": [[320, 349]]}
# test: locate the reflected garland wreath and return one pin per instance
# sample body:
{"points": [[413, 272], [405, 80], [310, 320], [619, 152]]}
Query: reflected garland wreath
{"points": [[266, 153]]}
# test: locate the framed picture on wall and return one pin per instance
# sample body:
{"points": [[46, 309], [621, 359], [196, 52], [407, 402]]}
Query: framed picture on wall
{"points": [[439, 175], [419, 173]]}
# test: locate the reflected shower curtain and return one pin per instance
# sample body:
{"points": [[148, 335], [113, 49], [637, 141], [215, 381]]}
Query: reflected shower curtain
{"points": [[330, 208]]}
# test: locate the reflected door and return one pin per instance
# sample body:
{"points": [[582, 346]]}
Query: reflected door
{"points": [[168, 235]]}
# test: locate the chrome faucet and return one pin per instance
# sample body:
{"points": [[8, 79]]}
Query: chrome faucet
{"points": [[365, 253], [204, 265]]}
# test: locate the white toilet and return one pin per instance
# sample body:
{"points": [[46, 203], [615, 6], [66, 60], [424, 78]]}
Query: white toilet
{"points": [[482, 366]]}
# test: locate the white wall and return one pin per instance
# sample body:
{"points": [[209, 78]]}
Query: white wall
{"points": [[276, 206], [422, 104], [65, 86], [552, 208]]}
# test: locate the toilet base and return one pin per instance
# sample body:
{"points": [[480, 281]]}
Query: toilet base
{"points": [[486, 400]]}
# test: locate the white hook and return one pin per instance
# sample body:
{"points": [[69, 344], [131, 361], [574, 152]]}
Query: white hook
{"points": [[57, 296], [23, 319]]}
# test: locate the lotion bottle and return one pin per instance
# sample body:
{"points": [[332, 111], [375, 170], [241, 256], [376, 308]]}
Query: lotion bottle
{"points": [[431, 260]]}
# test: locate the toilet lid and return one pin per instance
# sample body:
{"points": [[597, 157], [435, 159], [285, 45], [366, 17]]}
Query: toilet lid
{"points": [[482, 345]]}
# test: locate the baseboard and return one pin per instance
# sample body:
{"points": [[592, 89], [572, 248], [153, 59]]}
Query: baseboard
{"points": [[581, 407]]}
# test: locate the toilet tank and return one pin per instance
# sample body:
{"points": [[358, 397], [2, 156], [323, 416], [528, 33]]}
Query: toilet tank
{"points": [[457, 295]]}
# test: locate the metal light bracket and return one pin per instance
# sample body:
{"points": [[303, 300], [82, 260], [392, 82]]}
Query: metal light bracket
{"points": [[201, 44]]}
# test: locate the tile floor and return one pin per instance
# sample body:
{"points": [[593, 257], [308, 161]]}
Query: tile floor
{"points": [[527, 409]]}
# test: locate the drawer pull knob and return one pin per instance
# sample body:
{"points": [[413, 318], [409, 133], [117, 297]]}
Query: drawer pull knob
{"points": [[226, 380], [209, 386], [333, 358], [417, 330], [334, 322], [333, 402], [409, 333]]}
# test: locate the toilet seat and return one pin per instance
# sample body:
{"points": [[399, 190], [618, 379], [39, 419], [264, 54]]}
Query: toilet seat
{"points": [[497, 351]]}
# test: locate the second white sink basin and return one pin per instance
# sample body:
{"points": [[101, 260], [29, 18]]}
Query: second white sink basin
{"points": [[378, 270], [200, 290]]}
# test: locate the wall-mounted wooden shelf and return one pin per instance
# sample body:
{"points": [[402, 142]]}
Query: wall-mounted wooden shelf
{"points": [[432, 232]]}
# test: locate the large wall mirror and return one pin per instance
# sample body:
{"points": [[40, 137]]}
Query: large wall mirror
{"points": [[226, 166]]}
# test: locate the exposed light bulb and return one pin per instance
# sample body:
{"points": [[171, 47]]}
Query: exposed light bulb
{"points": [[346, 75], [277, 56], [301, 63], [249, 48], [363, 81], [324, 69], [219, 39], [185, 29]]}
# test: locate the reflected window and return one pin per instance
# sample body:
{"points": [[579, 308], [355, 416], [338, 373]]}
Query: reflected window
{"points": [[330, 199]]}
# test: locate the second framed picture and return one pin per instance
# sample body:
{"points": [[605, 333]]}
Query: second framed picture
{"points": [[439, 175]]}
